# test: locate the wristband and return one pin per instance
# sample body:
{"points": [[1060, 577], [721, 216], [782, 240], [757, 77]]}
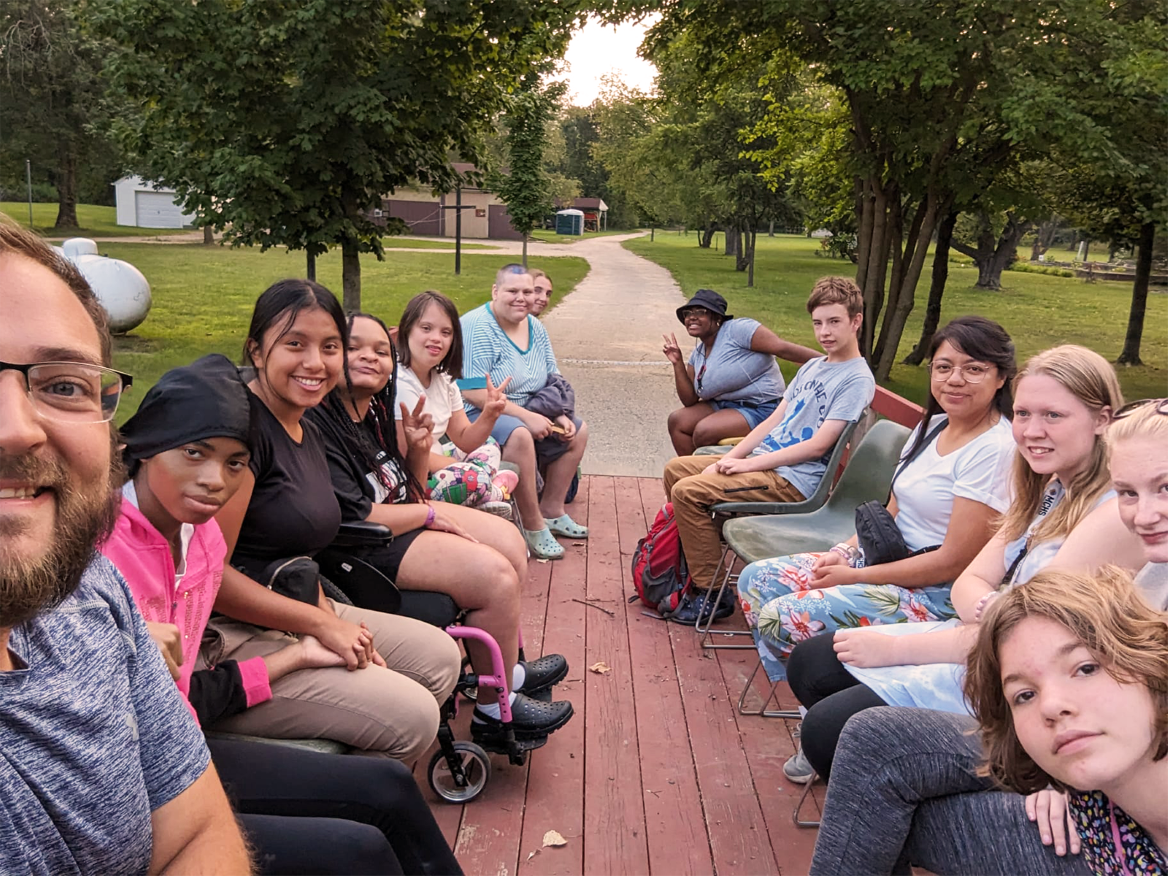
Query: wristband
{"points": [[844, 550], [430, 515]]}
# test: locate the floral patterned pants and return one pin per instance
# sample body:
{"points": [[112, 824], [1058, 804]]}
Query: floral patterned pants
{"points": [[783, 610]]}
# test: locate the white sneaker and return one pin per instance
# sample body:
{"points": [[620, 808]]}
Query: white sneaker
{"points": [[499, 509], [797, 769]]}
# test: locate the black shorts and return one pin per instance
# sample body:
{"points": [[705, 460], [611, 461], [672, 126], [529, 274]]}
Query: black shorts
{"points": [[387, 558]]}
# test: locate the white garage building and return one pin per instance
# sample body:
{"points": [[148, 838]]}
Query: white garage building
{"points": [[140, 203]]}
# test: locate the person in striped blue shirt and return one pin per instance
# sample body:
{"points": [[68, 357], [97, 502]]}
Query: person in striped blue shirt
{"points": [[503, 339]]}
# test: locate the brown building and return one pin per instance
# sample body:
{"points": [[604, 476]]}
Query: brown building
{"points": [[484, 216]]}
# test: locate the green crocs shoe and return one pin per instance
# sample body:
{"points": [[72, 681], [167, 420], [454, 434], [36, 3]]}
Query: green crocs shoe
{"points": [[567, 527], [542, 544]]}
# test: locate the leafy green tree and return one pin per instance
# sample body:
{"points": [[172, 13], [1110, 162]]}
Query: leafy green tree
{"points": [[284, 122], [54, 107], [524, 185]]}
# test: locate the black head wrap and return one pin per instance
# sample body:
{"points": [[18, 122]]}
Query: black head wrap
{"points": [[206, 399]]}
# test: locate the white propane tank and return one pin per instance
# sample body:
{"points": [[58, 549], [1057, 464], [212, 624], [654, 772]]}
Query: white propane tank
{"points": [[78, 246], [120, 288]]}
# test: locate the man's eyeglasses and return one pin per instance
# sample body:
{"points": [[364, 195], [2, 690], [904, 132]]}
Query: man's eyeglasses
{"points": [[1130, 408], [972, 373], [72, 392]]}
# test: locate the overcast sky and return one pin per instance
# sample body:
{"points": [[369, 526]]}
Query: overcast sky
{"points": [[599, 49]]}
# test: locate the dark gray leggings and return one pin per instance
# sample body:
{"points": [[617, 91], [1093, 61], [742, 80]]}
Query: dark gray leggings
{"points": [[904, 791]]}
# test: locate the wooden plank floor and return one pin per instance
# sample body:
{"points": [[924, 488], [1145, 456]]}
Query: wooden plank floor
{"points": [[657, 773]]}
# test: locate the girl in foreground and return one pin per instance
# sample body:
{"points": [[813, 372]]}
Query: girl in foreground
{"points": [[478, 560]]}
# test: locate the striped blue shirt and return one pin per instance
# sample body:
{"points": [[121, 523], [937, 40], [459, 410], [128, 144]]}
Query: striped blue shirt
{"points": [[486, 349]]}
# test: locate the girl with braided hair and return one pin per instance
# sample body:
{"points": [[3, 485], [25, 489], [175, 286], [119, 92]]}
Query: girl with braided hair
{"points": [[478, 560]]}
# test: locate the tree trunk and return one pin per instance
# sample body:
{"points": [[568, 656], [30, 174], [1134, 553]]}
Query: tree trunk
{"points": [[208, 235], [1139, 303], [994, 256], [915, 248], [873, 255], [771, 229], [731, 235], [936, 290], [525, 250], [707, 236], [652, 232], [311, 268], [67, 189], [351, 275], [751, 240], [742, 256]]}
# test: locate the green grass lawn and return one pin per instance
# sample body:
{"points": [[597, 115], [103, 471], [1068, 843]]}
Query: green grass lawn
{"points": [[95, 221], [407, 242], [203, 296], [546, 236], [1039, 311]]}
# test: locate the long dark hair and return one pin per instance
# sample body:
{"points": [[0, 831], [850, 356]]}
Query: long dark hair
{"points": [[381, 448], [451, 363], [981, 339], [287, 298]]}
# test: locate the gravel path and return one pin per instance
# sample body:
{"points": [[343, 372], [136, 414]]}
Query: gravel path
{"points": [[607, 338]]}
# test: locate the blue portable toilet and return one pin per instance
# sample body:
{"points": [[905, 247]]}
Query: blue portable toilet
{"points": [[570, 222]]}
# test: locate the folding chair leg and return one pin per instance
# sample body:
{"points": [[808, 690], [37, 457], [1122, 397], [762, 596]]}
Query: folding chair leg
{"points": [[798, 806], [706, 632], [786, 714]]}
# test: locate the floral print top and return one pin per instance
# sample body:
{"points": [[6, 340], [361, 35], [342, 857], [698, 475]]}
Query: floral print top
{"points": [[1112, 842]]}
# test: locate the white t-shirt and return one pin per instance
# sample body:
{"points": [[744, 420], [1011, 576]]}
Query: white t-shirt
{"points": [[925, 490], [442, 396]]}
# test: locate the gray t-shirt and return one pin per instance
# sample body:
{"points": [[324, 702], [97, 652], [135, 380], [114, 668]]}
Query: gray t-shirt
{"points": [[733, 371], [821, 391], [94, 736]]}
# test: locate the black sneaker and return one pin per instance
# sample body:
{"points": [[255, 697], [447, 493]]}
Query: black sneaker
{"points": [[529, 719], [541, 674], [698, 606]]}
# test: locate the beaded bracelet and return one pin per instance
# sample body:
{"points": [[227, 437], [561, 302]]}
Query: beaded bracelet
{"points": [[845, 550], [430, 515]]}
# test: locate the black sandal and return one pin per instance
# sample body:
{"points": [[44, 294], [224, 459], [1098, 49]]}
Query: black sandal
{"points": [[529, 719]]}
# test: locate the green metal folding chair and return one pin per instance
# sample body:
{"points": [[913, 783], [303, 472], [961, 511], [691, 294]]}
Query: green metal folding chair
{"points": [[737, 509], [867, 476]]}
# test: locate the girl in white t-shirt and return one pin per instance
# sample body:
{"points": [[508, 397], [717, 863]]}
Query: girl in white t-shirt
{"points": [[466, 471], [953, 483]]}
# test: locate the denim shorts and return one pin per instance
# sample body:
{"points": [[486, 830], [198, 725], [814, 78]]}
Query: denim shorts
{"points": [[753, 414]]}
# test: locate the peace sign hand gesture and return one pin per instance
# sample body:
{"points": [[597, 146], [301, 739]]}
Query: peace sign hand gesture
{"points": [[496, 399], [418, 427], [671, 349]]}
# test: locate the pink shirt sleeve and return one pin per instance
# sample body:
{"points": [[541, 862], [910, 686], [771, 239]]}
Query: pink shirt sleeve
{"points": [[256, 687]]}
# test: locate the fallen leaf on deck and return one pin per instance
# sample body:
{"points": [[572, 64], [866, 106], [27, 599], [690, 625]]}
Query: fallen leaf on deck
{"points": [[533, 854], [600, 668], [553, 838], [539, 560]]}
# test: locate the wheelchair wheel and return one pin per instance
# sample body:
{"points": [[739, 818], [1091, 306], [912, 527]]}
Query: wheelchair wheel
{"points": [[476, 769]]}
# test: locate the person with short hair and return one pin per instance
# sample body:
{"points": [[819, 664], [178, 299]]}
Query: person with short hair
{"points": [[542, 284], [785, 456], [103, 768], [731, 381], [503, 340]]}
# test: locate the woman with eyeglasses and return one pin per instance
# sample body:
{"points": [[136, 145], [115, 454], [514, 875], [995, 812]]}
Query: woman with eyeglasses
{"points": [[952, 482], [731, 382]]}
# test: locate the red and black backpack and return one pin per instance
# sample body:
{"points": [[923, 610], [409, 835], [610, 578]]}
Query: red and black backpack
{"points": [[659, 570]]}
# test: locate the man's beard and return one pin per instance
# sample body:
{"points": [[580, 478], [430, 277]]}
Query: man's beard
{"points": [[86, 514]]}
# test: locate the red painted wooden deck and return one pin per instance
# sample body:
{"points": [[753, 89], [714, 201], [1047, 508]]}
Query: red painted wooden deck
{"points": [[657, 772]]}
